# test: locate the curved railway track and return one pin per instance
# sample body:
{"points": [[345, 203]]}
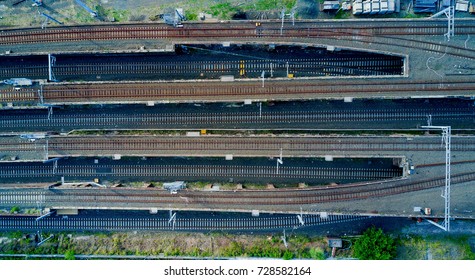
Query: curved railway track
{"points": [[239, 30], [116, 198], [123, 92], [159, 223], [364, 31]]}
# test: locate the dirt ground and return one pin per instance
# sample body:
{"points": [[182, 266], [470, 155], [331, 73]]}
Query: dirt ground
{"points": [[69, 12]]}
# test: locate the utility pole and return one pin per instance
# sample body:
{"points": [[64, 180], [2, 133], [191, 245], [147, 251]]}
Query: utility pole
{"points": [[85, 7], [46, 150], [44, 240], [50, 112], [45, 215], [51, 62], [292, 15], [446, 134], [54, 160], [279, 161], [300, 217], [40, 94], [172, 219], [282, 15], [48, 17], [450, 14], [284, 239]]}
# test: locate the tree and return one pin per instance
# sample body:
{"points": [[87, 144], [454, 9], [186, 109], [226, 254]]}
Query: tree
{"points": [[374, 244]]}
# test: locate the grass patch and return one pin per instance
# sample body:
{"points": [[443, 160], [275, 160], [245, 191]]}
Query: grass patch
{"points": [[265, 5], [218, 244], [112, 14], [317, 253], [191, 15], [342, 14], [412, 15], [434, 247], [214, 244], [223, 10]]}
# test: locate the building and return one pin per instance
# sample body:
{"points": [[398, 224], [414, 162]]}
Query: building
{"points": [[331, 5], [375, 7]]}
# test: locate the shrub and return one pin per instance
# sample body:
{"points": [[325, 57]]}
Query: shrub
{"points": [[233, 250], [317, 253], [69, 255], [288, 255], [374, 245], [15, 209]]}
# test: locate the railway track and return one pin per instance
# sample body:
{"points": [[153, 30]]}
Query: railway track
{"points": [[237, 146], [42, 120], [254, 172], [364, 31], [238, 30], [257, 144], [178, 91], [137, 199], [376, 65], [179, 224]]}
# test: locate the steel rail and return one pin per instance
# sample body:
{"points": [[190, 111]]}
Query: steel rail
{"points": [[244, 120], [344, 66], [236, 199], [179, 224], [391, 36], [85, 93], [26, 171], [64, 146], [160, 31]]}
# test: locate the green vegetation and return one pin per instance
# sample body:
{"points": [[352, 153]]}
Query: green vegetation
{"points": [[374, 244], [217, 244], [235, 249], [174, 252], [15, 235], [191, 15], [14, 210], [264, 5], [223, 10], [343, 14], [288, 255], [317, 254], [299, 246], [412, 15], [437, 248], [69, 255], [198, 245], [112, 14]]}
